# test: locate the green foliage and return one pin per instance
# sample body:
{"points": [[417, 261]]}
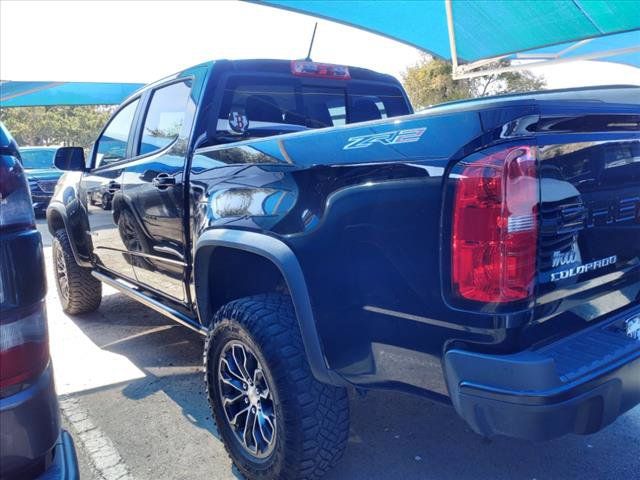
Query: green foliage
{"points": [[70, 126], [429, 82]]}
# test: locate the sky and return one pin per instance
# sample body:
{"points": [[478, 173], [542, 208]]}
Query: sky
{"points": [[142, 41]]}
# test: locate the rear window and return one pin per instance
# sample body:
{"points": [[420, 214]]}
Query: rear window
{"points": [[265, 106]]}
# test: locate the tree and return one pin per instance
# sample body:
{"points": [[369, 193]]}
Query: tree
{"points": [[429, 82], [77, 125]]}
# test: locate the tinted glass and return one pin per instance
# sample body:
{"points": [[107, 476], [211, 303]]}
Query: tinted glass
{"points": [[324, 107], [112, 145], [37, 158], [270, 105], [375, 102], [165, 117]]}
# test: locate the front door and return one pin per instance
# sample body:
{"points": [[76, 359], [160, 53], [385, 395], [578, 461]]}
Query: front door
{"points": [[153, 185], [101, 187]]}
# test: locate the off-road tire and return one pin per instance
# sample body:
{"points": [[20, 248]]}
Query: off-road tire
{"points": [[84, 290], [312, 424]]}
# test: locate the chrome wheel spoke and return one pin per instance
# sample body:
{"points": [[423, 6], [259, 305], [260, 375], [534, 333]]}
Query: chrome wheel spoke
{"points": [[235, 418], [239, 376], [261, 384], [253, 431], [242, 362], [232, 384], [230, 400], [266, 427]]}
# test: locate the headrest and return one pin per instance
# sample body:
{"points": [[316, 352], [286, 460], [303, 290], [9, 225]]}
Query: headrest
{"points": [[262, 108], [364, 109]]}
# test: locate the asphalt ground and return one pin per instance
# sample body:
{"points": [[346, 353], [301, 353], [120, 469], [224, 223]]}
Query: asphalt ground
{"points": [[131, 390]]}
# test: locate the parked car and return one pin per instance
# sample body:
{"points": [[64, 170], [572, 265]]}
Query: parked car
{"points": [[41, 173], [482, 253], [32, 445]]}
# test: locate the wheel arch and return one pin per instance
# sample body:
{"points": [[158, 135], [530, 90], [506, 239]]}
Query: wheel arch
{"points": [[271, 254], [57, 219]]}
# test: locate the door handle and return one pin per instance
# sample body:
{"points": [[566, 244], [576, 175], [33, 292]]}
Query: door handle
{"points": [[164, 180]]}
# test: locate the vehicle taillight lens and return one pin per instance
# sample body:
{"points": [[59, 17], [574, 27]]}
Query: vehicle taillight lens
{"points": [[24, 344], [495, 226], [16, 210], [306, 68]]}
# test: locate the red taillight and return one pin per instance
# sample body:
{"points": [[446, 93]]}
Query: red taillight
{"points": [[16, 210], [495, 227], [306, 68], [24, 345]]}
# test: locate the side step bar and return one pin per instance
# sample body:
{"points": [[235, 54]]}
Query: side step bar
{"points": [[151, 302]]}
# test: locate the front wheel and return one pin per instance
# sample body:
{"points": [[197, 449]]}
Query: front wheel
{"points": [[79, 291], [276, 420]]}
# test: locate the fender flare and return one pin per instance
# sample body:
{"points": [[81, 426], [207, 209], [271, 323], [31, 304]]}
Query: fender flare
{"points": [[278, 253], [60, 209]]}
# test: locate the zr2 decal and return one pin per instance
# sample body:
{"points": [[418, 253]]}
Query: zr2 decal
{"points": [[387, 138]]}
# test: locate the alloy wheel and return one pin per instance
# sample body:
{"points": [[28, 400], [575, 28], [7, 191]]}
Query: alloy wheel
{"points": [[61, 275], [247, 399]]}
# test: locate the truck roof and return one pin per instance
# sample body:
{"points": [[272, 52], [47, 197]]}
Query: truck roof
{"points": [[277, 66], [284, 66]]}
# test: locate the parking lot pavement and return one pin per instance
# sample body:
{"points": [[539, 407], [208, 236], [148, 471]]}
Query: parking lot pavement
{"points": [[132, 393]]}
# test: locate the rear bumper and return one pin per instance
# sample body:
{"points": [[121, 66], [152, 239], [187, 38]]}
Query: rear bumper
{"points": [[65, 462], [579, 384], [29, 425]]}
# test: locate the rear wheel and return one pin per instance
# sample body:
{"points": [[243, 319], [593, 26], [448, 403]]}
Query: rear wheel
{"points": [[78, 290], [276, 420]]}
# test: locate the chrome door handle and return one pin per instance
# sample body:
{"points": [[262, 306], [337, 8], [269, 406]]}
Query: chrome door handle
{"points": [[164, 180]]}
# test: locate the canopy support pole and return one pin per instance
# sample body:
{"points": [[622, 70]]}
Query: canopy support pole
{"points": [[452, 36], [470, 70]]}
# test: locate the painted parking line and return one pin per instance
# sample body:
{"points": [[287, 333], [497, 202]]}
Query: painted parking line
{"points": [[102, 453]]}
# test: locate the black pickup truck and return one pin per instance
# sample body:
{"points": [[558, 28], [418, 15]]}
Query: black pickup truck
{"points": [[323, 238]]}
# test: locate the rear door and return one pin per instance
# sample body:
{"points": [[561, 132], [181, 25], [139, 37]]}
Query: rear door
{"points": [[153, 224], [110, 155]]}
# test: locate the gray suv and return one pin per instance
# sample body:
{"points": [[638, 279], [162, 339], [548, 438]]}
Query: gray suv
{"points": [[32, 444]]}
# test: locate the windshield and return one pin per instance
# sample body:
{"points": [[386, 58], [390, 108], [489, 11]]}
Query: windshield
{"points": [[37, 159], [261, 105]]}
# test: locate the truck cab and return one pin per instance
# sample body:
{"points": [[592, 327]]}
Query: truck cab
{"points": [[140, 158]]}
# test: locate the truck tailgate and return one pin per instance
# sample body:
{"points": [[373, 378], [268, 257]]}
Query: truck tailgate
{"points": [[589, 251]]}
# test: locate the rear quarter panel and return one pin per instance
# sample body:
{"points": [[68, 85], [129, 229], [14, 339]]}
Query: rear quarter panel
{"points": [[363, 218]]}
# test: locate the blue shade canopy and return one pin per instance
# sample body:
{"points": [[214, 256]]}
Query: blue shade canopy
{"points": [[483, 29], [32, 94]]}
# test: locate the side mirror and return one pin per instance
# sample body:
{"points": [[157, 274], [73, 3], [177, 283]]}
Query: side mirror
{"points": [[70, 158]]}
